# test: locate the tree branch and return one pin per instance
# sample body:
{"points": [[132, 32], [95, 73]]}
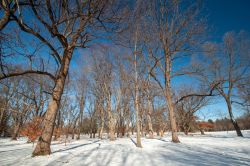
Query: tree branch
{"points": [[14, 74], [27, 29], [199, 95]]}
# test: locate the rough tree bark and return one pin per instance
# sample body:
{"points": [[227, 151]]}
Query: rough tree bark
{"points": [[150, 126], [70, 26], [102, 123], [136, 104], [111, 123], [234, 122], [43, 145], [170, 104], [6, 6]]}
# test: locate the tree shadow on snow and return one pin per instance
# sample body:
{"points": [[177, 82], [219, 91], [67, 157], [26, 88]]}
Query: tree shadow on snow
{"points": [[196, 156], [74, 147]]}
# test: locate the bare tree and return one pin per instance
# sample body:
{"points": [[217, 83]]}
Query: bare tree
{"points": [[147, 97], [6, 95], [136, 103], [19, 108], [227, 63], [125, 83], [81, 93], [70, 25], [244, 95], [103, 75], [187, 108], [8, 7], [172, 36]]}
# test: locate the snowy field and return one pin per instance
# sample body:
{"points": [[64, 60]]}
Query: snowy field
{"points": [[214, 148]]}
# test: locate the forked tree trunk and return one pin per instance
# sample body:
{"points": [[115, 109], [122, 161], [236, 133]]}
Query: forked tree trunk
{"points": [[44, 141], [234, 122]]}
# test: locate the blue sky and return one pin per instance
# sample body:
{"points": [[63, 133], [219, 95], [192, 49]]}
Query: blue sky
{"points": [[227, 15]]}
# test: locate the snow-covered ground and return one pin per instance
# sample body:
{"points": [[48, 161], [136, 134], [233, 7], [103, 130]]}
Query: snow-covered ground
{"points": [[214, 148]]}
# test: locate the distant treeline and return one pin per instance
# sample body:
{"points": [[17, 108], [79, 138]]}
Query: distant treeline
{"points": [[225, 124]]}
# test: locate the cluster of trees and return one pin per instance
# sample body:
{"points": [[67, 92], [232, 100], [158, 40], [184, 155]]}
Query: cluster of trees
{"points": [[116, 67]]}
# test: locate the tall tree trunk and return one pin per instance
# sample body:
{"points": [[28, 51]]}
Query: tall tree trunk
{"points": [[43, 145], [150, 126], [102, 124], [172, 119], [57, 135], [74, 127], [110, 121], [127, 128], [138, 133], [117, 130], [78, 129], [141, 127], [3, 121], [168, 94], [234, 122], [82, 104]]}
